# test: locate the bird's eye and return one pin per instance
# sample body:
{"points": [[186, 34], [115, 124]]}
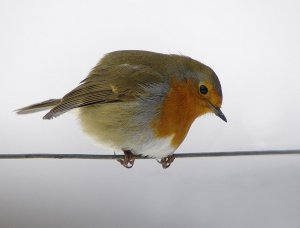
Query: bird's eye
{"points": [[203, 89]]}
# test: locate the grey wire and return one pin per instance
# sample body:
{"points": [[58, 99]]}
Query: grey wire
{"points": [[181, 155]]}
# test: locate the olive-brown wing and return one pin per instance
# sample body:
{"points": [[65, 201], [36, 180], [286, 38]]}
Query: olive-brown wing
{"points": [[107, 84]]}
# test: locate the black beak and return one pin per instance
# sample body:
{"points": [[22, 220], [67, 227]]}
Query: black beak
{"points": [[218, 112]]}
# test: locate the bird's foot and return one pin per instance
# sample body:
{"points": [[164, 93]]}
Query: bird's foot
{"points": [[167, 161], [128, 159]]}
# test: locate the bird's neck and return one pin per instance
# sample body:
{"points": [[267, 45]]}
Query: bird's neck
{"points": [[178, 111]]}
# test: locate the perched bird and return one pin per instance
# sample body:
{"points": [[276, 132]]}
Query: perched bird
{"points": [[140, 102]]}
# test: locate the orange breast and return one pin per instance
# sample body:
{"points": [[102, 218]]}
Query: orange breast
{"points": [[180, 108]]}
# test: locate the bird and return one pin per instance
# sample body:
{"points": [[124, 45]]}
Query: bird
{"points": [[140, 102]]}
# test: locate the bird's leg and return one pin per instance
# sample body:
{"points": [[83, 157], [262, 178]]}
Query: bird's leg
{"points": [[167, 161], [128, 159]]}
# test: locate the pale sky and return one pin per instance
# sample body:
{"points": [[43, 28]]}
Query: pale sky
{"points": [[47, 48]]}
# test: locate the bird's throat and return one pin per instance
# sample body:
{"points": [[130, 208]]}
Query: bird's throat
{"points": [[178, 111]]}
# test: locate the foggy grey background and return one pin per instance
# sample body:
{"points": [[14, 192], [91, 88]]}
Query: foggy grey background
{"points": [[48, 47]]}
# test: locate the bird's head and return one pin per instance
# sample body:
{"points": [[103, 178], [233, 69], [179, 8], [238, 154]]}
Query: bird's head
{"points": [[207, 90]]}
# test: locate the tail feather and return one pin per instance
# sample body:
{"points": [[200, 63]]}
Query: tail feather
{"points": [[45, 105]]}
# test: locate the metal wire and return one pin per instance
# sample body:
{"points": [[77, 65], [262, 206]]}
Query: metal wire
{"points": [[181, 155]]}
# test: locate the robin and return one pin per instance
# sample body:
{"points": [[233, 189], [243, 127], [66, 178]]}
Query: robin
{"points": [[142, 103]]}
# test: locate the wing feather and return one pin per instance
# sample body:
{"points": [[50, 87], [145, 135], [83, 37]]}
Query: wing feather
{"points": [[107, 84]]}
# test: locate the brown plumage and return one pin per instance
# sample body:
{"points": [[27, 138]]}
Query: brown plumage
{"points": [[139, 101]]}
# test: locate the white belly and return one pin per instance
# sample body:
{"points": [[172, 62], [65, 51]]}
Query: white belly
{"points": [[155, 148]]}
